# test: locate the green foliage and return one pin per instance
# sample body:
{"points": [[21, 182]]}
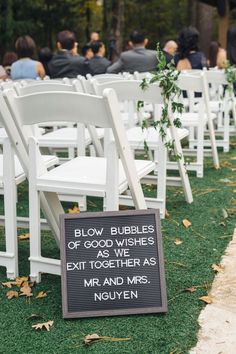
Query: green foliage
{"points": [[166, 75], [230, 72]]}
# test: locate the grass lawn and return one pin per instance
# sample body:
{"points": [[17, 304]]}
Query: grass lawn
{"points": [[213, 218]]}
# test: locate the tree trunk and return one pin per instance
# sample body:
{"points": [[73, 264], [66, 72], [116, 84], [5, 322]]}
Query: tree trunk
{"points": [[204, 24], [116, 29], [192, 13]]}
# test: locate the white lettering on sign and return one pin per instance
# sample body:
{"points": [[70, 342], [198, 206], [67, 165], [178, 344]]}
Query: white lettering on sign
{"points": [[115, 263], [75, 266], [132, 230], [116, 295], [88, 232]]}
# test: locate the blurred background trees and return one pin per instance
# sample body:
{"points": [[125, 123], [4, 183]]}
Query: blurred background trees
{"points": [[113, 19]]}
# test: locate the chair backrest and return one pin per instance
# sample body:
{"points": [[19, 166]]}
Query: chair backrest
{"points": [[79, 108], [131, 90], [197, 89], [48, 86]]}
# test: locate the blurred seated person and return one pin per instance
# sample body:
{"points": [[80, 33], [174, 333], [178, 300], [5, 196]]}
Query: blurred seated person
{"points": [[138, 58], [217, 56], [87, 51], [26, 67], [65, 63], [45, 55], [3, 74], [94, 37], [188, 56], [8, 59], [169, 50], [98, 64]]}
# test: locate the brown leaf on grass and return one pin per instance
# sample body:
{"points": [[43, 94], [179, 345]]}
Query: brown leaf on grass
{"points": [[192, 289], [11, 293], [178, 242], [233, 169], [26, 291], [44, 325], [74, 210], [41, 295], [218, 268], [186, 223], [225, 163], [24, 237], [8, 284], [91, 338], [21, 280], [231, 211], [34, 316], [207, 299], [233, 158], [167, 215]]}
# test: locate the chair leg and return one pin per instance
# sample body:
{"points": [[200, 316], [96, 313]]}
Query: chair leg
{"points": [[9, 259], [35, 234]]}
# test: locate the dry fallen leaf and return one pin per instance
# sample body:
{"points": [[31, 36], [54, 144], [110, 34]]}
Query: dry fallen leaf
{"points": [[11, 293], [91, 338], [192, 289], [178, 242], [43, 325], [167, 215], [186, 223], [8, 284], [34, 316], [218, 268], [24, 237], [207, 299], [41, 294], [26, 291], [21, 280], [74, 210]]}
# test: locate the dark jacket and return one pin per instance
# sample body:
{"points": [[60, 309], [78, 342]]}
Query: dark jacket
{"points": [[63, 64], [98, 65]]}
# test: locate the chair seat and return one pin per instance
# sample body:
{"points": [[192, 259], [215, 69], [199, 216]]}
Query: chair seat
{"points": [[50, 160], [66, 137], [192, 119], [68, 178], [215, 106], [137, 136]]}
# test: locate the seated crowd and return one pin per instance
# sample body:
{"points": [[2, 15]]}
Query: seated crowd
{"points": [[67, 62]]}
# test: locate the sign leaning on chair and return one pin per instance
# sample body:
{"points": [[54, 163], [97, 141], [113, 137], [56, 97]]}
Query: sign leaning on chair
{"points": [[112, 264]]}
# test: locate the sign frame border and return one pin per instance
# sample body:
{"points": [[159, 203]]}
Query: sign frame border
{"points": [[116, 312]]}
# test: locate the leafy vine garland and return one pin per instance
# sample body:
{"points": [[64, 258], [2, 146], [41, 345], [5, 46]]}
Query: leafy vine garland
{"points": [[166, 75]]}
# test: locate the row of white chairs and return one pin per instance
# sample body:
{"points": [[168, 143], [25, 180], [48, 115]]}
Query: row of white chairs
{"points": [[22, 112]]}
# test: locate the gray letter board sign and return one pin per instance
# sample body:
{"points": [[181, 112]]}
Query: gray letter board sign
{"points": [[112, 264]]}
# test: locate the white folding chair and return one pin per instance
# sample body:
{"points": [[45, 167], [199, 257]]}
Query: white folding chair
{"points": [[221, 103], [105, 177], [131, 90], [197, 122]]}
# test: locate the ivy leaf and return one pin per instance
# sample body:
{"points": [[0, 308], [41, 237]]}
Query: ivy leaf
{"points": [[44, 325]]}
